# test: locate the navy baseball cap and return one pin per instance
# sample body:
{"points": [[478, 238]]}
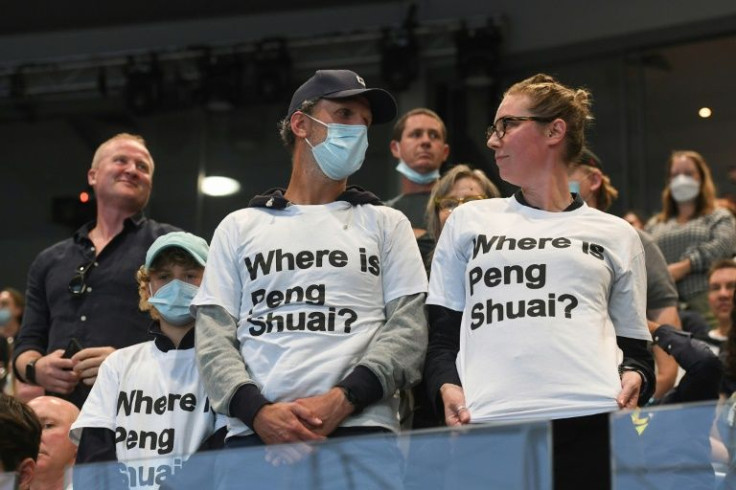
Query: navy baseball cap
{"points": [[339, 84]]}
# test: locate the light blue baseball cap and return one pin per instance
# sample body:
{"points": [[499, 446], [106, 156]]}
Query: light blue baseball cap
{"points": [[196, 246]]}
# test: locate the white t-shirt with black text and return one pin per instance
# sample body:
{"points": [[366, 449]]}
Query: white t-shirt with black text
{"points": [[155, 403], [308, 286], [543, 297]]}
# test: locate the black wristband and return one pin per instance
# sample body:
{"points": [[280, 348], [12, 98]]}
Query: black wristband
{"points": [[352, 399]]}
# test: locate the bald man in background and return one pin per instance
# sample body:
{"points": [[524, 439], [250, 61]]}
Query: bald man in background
{"points": [[57, 452]]}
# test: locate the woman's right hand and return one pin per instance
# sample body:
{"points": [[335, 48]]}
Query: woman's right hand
{"points": [[453, 397]]}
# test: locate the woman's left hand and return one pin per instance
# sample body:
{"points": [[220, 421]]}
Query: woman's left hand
{"points": [[630, 387]]}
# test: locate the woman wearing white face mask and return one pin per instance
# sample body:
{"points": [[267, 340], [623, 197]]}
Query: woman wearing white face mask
{"points": [[691, 232]]}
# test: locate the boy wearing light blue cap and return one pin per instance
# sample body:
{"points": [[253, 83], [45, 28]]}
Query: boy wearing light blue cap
{"points": [[148, 408]]}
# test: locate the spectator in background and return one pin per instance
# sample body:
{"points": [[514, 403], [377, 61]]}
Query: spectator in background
{"points": [[721, 287], [594, 186], [11, 313], [20, 438], [12, 304], [459, 185], [84, 287], [690, 230], [634, 219], [56, 452], [419, 142]]}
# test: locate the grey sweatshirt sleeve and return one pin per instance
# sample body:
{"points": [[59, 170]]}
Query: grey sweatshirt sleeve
{"points": [[221, 365], [396, 355]]}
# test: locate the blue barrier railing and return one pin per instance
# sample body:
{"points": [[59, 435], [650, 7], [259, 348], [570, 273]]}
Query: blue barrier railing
{"points": [[514, 456], [673, 447], [691, 446]]}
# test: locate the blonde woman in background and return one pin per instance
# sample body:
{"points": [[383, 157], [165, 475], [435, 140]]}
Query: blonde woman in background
{"points": [[459, 185], [690, 230]]}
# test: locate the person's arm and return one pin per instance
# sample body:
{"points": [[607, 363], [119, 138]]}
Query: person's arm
{"points": [[703, 369], [440, 371], [87, 362], [394, 359], [392, 362], [701, 255], [232, 391], [627, 310], [53, 372], [667, 367], [636, 390]]}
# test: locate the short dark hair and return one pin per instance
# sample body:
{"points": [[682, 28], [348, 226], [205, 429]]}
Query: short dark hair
{"points": [[20, 432], [721, 264], [419, 111]]}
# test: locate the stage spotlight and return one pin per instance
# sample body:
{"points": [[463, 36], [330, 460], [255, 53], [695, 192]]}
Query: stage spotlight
{"points": [[143, 86], [273, 70], [400, 54], [478, 54], [219, 186]]}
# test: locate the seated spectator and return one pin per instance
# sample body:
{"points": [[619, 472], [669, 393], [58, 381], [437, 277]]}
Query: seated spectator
{"points": [[56, 452], [721, 287], [124, 419], [20, 437]]}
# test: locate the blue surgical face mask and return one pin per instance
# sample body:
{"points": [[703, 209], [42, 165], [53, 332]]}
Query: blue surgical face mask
{"points": [[415, 176], [172, 301], [5, 316], [574, 186], [342, 153]]}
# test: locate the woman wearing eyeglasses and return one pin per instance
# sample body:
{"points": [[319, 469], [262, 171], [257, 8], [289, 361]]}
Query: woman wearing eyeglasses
{"points": [[532, 296], [459, 185]]}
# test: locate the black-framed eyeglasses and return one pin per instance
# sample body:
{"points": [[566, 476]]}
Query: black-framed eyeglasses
{"points": [[450, 203], [78, 285], [502, 123]]}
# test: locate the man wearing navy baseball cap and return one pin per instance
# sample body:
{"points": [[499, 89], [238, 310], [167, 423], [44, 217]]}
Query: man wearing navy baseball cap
{"points": [[310, 314]]}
